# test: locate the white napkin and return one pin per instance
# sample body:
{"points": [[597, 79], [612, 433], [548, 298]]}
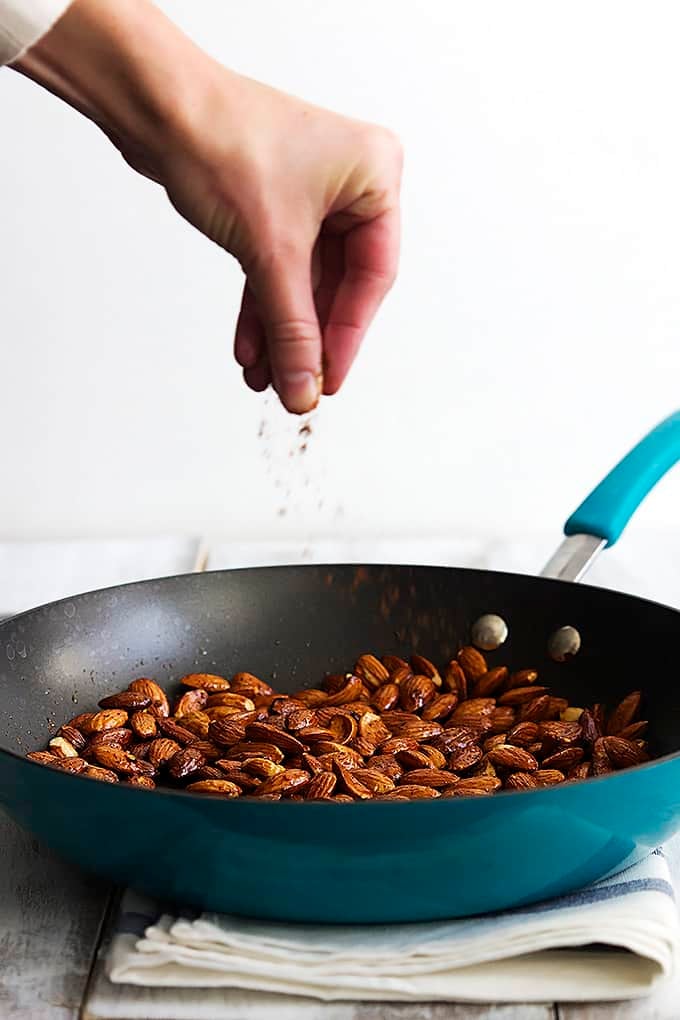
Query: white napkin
{"points": [[616, 939]]}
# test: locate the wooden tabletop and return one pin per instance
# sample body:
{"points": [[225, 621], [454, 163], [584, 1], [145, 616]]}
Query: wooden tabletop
{"points": [[53, 917]]}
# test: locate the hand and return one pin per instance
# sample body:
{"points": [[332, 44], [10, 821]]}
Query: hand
{"points": [[307, 200]]}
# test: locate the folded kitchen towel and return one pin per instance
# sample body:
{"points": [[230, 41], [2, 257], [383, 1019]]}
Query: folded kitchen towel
{"points": [[616, 939]]}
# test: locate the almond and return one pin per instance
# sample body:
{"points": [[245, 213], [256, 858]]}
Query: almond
{"points": [[321, 786], [490, 682], [129, 700], [523, 734], [521, 695], [161, 750], [437, 778], [191, 701], [623, 714], [422, 666], [143, 725], [622, 753], [386, 697], [184, 762], [521, 781], [549, 777], [154, 692], [207, 681], [455, 679], [416, 692], [250, 685], [465, 758], [109, 719], [285, 782], [218, 787], [516, 758], [371, 670]]}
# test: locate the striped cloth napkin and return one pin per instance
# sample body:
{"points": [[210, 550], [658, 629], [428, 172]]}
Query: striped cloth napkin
{"points": [[616, 939]]}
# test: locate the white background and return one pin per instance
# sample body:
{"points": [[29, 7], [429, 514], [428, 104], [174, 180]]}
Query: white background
{"points": [[532, 336]]}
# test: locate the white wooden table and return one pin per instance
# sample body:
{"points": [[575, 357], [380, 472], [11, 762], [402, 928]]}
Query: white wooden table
{"points": [[53, 917]]}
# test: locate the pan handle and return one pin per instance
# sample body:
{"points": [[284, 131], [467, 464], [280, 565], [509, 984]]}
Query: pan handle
{"points": [[602, 516]]}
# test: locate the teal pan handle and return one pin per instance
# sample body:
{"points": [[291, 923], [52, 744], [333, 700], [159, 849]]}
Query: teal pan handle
{"points": [[611, 504]]}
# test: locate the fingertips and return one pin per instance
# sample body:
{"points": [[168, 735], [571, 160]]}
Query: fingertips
{"points": [[258, 377]]}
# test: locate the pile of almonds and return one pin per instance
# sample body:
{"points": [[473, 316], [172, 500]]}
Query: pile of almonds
{"points": [[390, 730]]}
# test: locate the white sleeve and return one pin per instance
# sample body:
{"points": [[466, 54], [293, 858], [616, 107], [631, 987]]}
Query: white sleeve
{"points": [[23, 22]]}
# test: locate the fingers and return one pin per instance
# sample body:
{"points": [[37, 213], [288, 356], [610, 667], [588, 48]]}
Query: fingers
{"points": [[258, 377], [282, 286], [249, 339], [371, 256]]}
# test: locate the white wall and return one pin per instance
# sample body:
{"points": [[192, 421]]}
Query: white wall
{"points": [[533, 334]]}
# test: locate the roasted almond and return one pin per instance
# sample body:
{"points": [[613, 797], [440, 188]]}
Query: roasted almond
{"points": [[169, 728], [521, 781], [623, 714], [392, 662], [516, 758], [161, 750], [321, 786], [455, 679], [523, 734], [412, 791], [117, 759], [184, 762], [535, 710], [154, 692], [416, 692], [564, 733], [62, 748], [351, 690], [414, 759], [622, 753], [143, 725], [262, 768], [423, 667], [226, 733], [129, 700], [472, 662], [374, 780], [109, 719], [502, 719], [563, 760], [521, 695], [218, 787], [601, 763], [437, 778], [435, 757], [465, 758], [250, 685], [198, 722], [386, 697], [490, 682], [271, 735], [476, 786], [191, 701], [371, 670], [97, 772], [440, 707], [549, 777], [73, 735], [207, 681], [283, 783], [522, 678]]}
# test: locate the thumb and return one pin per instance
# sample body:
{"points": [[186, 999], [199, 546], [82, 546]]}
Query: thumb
{"points": [[283, 288]]}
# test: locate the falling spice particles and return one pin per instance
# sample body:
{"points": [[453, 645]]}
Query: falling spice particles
{"points": [[295, 467]]}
